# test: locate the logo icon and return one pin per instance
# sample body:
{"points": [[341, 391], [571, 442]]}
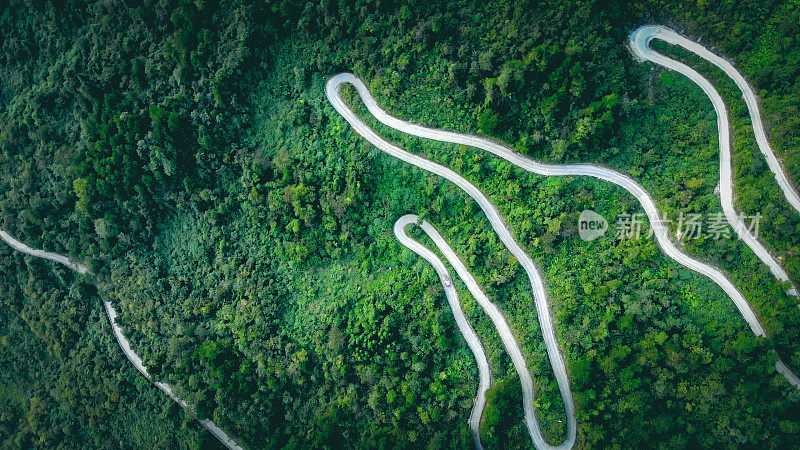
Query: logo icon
{"points": [[591, 225]]}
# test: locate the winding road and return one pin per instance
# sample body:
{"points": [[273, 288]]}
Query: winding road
{"points": [[496, 220], [484, 373], [123, 342], [639, 41], [640, 44], [659, 227]]}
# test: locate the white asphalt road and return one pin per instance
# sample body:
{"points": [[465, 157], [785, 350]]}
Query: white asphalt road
{"points": [[484, 373], [660, 230], [17, 245], [659, 227], [783, 370], [539, 292], [640, 44], [121, 339]]}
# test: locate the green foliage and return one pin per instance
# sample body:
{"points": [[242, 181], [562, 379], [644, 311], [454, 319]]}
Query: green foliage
{"points": [[186, 151], [503, 423], [65, 381]]}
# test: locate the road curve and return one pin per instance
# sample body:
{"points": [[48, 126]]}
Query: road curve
{"points": [[496, 220], [17, 245], [484, 373], [120, 336], [640, 44], [494, 313], [659, 227]]}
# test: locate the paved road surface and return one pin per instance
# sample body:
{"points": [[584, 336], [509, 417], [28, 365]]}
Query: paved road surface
{"points": [[660, 230], [539, 292], [484, 373], [783, 370], [659, 227], [640, 44], [121, 339], [17, 245]]}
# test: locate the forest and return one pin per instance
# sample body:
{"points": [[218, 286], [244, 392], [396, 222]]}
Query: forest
{"points": [[184, 150]]}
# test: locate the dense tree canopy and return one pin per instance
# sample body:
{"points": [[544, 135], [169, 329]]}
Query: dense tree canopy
{"points": [[186, 152]]}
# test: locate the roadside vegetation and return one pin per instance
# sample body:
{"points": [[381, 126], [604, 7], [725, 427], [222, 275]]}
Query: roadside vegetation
{"points": [[186, 152]]}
